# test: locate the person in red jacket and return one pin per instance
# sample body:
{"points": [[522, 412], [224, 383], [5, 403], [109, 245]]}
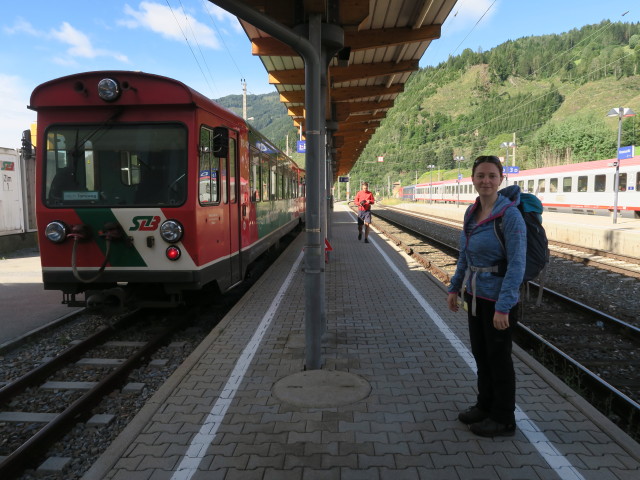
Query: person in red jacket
{"points": [[364, 199]]}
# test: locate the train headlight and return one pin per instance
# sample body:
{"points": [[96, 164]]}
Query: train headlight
{"points": [[56, 232], [173, 252], [109, 89], [171, 231]]}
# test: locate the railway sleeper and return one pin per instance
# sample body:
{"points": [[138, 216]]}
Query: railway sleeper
{"points": [[133, 387]]}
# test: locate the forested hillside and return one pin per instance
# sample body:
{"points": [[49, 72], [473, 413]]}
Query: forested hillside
{"points": [[548, 94], [269, 117]]}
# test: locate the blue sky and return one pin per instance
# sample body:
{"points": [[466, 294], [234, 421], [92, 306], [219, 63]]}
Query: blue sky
{"points": [[42, 39]]}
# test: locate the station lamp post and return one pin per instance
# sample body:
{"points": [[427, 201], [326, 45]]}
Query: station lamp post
{"points": [[431, 167], [507, 145], [458, 159], [618, 112]]}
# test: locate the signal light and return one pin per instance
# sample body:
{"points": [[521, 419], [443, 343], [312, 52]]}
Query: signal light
{"points": [[173, 253]]}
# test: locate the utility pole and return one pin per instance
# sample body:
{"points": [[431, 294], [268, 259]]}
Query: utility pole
{"points": [[618, 112], [458, 159], [244, 98]]}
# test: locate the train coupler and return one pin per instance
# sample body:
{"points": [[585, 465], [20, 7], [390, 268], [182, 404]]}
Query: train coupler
{"points": [[69, 299], [112, 299]]}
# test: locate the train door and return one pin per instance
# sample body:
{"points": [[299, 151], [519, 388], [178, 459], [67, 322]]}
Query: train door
{"points": [[235, 218]]}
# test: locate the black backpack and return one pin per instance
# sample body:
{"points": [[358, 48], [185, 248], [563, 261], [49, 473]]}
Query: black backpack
{"points": [[537, 244]]}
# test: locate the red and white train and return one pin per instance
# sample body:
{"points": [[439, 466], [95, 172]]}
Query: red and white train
{"points": [[586, 188], [147, 189]]}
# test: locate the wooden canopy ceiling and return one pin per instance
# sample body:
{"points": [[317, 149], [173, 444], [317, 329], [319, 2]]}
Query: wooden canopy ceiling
{"points": [[384, 41]]}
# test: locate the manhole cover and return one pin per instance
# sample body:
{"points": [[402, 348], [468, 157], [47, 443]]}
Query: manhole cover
{"points": [[321, 388]]}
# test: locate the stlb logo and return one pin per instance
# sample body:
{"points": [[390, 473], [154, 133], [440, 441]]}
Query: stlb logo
{"points": [[145, 223]]}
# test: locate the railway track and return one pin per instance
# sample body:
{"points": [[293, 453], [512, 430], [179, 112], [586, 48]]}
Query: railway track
{"points": [[69, 390], [624, 265], [96, 372], [595, 353]]}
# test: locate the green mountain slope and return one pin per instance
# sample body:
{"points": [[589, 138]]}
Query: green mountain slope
{"points": [[269, 117], [548, 94]]}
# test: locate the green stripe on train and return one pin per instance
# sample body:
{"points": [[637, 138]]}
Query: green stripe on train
{"points": [[121, 254], [271, 215]]}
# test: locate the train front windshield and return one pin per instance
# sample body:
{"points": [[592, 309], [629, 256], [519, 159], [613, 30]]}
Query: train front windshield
{"points": [[116, 165]]}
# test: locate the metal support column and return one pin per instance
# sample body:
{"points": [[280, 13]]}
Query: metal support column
{"points": [[310, 51], [314, 249]]}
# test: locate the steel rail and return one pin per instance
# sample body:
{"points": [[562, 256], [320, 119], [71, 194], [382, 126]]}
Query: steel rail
{"points": [[44, 370], [589, 384]]}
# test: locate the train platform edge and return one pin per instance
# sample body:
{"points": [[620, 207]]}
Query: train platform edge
{"points": [[590, 231], [221, 416]]}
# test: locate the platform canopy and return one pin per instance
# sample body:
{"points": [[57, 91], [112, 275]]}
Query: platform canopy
{"points": [[383, 43]]}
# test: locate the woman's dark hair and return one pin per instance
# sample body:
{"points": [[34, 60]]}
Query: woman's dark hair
{"points": [[486, 159]]}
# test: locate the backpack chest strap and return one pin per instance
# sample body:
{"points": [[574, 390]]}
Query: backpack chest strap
{"points": [[473, 273]]}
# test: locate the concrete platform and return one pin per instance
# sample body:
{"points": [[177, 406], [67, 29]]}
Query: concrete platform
{"points": [[388, 325], [21, 286]]}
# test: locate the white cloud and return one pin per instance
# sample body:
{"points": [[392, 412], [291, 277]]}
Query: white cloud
{"points": [[80, 44], [22, 26], [15, 117], [172, 24]]}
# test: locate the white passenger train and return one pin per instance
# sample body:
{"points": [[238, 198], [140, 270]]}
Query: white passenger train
{"points": [[586, 188]]}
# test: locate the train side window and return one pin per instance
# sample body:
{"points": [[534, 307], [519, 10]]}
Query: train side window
{"points": [[232, 170], [280, 180], [254, 175], [286, 183], [600, 183], [222, 178], [638, 182], [265, 173], [541, 185], [208, 174], [582, 183], [622, 183], [274, 182], [566, 184], [553, 185], [530, 187]]}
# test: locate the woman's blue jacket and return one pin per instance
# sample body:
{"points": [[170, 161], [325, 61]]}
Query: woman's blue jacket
{"points": [[480, 247]]}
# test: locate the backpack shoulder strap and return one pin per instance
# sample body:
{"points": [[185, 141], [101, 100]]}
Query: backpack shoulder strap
{"points": [[499, 228], [499, 231]]}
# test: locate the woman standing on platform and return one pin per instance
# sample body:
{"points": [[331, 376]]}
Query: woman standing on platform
{"points": [[489, 276]]}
